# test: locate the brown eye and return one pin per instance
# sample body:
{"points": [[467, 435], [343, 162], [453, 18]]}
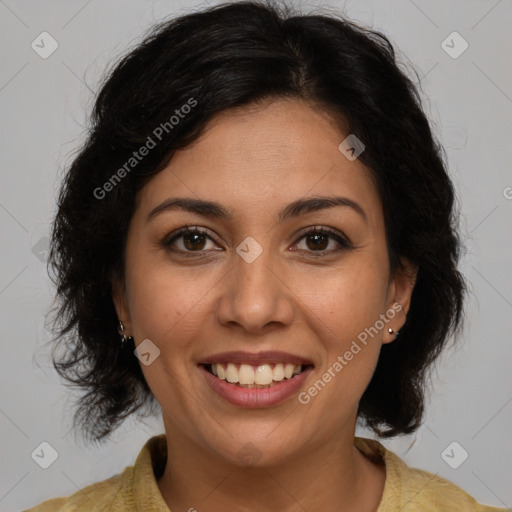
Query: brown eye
{"points": [[322, 242], [317, 242], [189, 240], [194, 241]]}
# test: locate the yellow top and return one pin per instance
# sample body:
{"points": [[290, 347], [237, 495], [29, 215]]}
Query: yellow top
{"points": [[135, 489]]}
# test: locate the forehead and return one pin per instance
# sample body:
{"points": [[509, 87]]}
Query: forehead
{"points": [[258, 157]]}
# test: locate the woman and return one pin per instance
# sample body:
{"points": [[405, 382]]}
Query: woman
{"points": [[259, 237]]}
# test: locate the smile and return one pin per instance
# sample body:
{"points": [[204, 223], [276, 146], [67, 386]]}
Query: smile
{"points": [[283, 380], [255, 376]]}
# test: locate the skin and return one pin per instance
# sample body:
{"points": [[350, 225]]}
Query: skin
{"points": [[254, 162]]}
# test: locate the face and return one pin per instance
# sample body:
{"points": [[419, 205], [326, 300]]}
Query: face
{"points": [[253, 275]]}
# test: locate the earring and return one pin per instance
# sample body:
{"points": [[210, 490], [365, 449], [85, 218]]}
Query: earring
{"points": [[393, 332], [122, 333]]}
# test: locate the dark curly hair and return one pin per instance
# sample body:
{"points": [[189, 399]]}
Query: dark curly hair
{"points": [[230, 56]]}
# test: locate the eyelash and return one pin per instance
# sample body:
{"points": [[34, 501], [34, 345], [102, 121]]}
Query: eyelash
{"points": [[344, 243]]}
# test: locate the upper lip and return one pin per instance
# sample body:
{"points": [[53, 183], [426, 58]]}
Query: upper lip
{"points": [[270, 356]]}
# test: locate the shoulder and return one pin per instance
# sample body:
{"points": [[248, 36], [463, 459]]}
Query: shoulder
{"points": [[102, 495], [414, 490], [133, 489], [425, 491]]}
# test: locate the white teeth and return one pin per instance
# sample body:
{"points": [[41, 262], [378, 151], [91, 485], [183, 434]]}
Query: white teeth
{"points": [[263, 375], [246, 374], [288, 370], [278, 372], [232, 373]]}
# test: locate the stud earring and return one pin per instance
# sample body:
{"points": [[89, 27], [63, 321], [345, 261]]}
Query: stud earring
{"points": [[393, 332]]}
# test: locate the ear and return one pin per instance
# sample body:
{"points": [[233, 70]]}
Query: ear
{"points": [[400, 291], [402, 285], [120, 302]]}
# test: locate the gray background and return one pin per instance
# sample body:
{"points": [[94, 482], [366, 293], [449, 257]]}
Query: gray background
{"points": [[44, 105]]}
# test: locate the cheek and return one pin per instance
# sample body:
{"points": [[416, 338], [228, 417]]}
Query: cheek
{"points": [[343, 318], [166, 305], [343, 309], [345, 301], [165, 308]]}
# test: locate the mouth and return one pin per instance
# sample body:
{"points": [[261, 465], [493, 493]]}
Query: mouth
{"points": [[255, 380], [259, 376]]}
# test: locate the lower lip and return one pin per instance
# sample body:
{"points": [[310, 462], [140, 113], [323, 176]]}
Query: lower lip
{"points": [[255, 398]]}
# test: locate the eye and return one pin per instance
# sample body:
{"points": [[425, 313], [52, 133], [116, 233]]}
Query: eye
{"points": [[319, 240], [189, 239], [322, 241]]}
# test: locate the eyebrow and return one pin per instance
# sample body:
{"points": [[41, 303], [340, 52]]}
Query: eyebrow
{"points": [[215, 210]]}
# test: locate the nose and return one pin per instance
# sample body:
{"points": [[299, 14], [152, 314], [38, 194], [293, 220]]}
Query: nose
{"points": [[255, 296]]}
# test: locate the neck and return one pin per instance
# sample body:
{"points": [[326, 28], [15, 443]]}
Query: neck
{"points": [[330, 477]]}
